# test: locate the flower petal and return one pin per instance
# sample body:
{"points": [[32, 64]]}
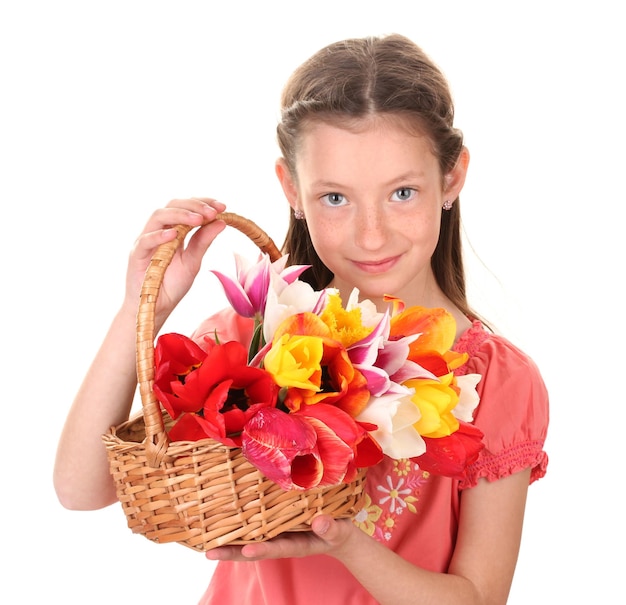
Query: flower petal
{"points": [[271, 440], [235, 294], [435, 400], [283, 301], [437, 328], [395, 417], [468, 397], [187, 428], [295, 361], [341, 464], [450, 456], [334, 453]]}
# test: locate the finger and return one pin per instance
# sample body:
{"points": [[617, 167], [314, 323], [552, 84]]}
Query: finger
{"points": [[219, 206], [224, 553], [193, 212], [204, 206], [322, 525], [332, 531], [288, 545], [167, 217], [195, 202], [146, 243], [203, 238]]}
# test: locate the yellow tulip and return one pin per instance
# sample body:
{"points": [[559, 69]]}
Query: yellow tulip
{"points": [[295, 361], [435, 399]]}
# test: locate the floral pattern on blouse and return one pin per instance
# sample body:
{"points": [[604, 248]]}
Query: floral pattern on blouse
{"points": [[398, 494]]}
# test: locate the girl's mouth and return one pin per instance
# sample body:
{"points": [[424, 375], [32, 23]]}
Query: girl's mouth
{"points": [[377, 266]]}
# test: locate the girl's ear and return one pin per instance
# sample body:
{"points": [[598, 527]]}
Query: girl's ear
{"points": [[287, 182], [455, 179]]}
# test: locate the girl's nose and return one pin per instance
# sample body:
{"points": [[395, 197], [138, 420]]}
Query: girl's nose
{"points": [[371, 228]]}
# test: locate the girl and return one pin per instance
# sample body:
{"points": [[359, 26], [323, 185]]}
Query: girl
{"points": [[372, 168]]}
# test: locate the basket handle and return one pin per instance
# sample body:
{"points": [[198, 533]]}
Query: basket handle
{"points": [[156, 437]]}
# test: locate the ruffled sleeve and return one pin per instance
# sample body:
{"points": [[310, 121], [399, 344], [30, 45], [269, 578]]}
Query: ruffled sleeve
{"points": [[513, 412]]}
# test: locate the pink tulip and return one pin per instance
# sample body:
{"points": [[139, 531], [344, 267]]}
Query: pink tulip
{"points": [[248, 293]]}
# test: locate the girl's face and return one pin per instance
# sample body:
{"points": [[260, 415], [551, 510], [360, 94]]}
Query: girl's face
{"points": [[372, 198]]}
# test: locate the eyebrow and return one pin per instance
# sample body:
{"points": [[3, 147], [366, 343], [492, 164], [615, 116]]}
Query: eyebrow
{"points": [[400, 179]]}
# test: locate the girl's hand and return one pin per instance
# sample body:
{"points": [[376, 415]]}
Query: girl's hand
{"points": [[328, 536], [186, 262]]}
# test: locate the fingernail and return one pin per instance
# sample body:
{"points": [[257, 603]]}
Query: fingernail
{"points": [[321, 527]]}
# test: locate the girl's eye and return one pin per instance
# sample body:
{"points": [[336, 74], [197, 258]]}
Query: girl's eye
{"points": [[403, 194], [334, 199]]}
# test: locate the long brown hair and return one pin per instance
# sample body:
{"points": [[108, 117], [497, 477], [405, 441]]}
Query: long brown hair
{"points": [[362, 77]]}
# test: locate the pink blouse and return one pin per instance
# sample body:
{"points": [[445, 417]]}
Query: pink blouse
{"points": [[413, 513]]}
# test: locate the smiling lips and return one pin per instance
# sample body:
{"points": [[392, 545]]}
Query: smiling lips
{"points": [[379, 266]]}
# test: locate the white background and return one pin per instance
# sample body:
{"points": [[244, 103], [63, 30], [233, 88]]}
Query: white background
{"points": [[110, 109]]}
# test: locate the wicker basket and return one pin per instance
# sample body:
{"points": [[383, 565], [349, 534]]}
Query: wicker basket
{"points": [[202, 494]]}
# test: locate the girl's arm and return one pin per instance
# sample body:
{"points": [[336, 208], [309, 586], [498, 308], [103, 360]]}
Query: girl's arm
{"points": [[484, 559], [482, 566], [81, 473]]}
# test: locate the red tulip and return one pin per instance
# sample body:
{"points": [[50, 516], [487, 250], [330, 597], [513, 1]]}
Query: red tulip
{"points": [[449, 456], [220, 391], [284, 448]]}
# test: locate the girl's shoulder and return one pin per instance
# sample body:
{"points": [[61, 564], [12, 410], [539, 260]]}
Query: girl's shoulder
{"points": [[513, 412], [488, 351]]}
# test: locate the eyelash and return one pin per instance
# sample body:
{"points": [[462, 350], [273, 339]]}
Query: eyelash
{"points": [[328, 197], [327, 200], [412, 193]]}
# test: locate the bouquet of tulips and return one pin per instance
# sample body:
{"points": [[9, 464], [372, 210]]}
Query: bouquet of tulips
{"points": [[321, 388]]}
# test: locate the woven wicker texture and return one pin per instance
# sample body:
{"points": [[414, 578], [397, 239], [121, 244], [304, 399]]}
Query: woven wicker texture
{"points": [[202, 494]]}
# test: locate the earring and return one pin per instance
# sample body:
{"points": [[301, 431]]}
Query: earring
{"points": [[298, 214], [447, 205]]}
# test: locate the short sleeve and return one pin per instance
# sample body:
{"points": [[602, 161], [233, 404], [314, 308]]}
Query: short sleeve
{"points": [[513, 412]]}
